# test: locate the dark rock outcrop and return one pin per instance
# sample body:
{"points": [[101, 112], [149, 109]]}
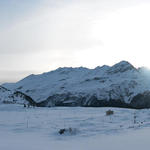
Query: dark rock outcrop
{"points": [[84, 101], [141, 100], [25, 97]]}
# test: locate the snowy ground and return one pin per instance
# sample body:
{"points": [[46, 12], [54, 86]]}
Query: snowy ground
{"points": [[37, 128]]}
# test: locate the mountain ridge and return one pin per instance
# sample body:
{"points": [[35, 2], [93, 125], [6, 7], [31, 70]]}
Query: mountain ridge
{"points": [[101, 86]]}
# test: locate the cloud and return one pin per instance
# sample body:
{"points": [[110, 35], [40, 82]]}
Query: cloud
{"points": [[66, 28], [56, 25]]}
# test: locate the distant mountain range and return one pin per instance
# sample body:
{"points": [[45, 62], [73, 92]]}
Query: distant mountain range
{"points": [[121, 85]]}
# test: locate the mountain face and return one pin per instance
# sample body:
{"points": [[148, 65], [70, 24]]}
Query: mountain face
{"points": [[121, 85]]}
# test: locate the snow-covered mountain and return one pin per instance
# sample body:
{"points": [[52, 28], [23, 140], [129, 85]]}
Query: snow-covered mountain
{"points": [[118, 85]]}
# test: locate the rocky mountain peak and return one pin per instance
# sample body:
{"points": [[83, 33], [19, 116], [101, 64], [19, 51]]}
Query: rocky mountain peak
{"points": [[122, 66]]}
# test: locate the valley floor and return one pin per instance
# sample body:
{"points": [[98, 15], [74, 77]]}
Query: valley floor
{"points": [[37, 128]]}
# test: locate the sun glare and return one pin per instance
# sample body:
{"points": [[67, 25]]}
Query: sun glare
{"points": [[125, 34]]}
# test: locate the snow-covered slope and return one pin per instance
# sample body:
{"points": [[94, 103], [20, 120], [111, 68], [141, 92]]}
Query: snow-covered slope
{"points": [[10, 96], [102, 86], [4, 94], [37, 129]]}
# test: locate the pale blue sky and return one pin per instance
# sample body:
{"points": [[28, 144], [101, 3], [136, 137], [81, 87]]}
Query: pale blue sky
{"points": [[40, 35]]}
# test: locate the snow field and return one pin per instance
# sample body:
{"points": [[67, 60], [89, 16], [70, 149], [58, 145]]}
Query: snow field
{"points": [[37, 128]]}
